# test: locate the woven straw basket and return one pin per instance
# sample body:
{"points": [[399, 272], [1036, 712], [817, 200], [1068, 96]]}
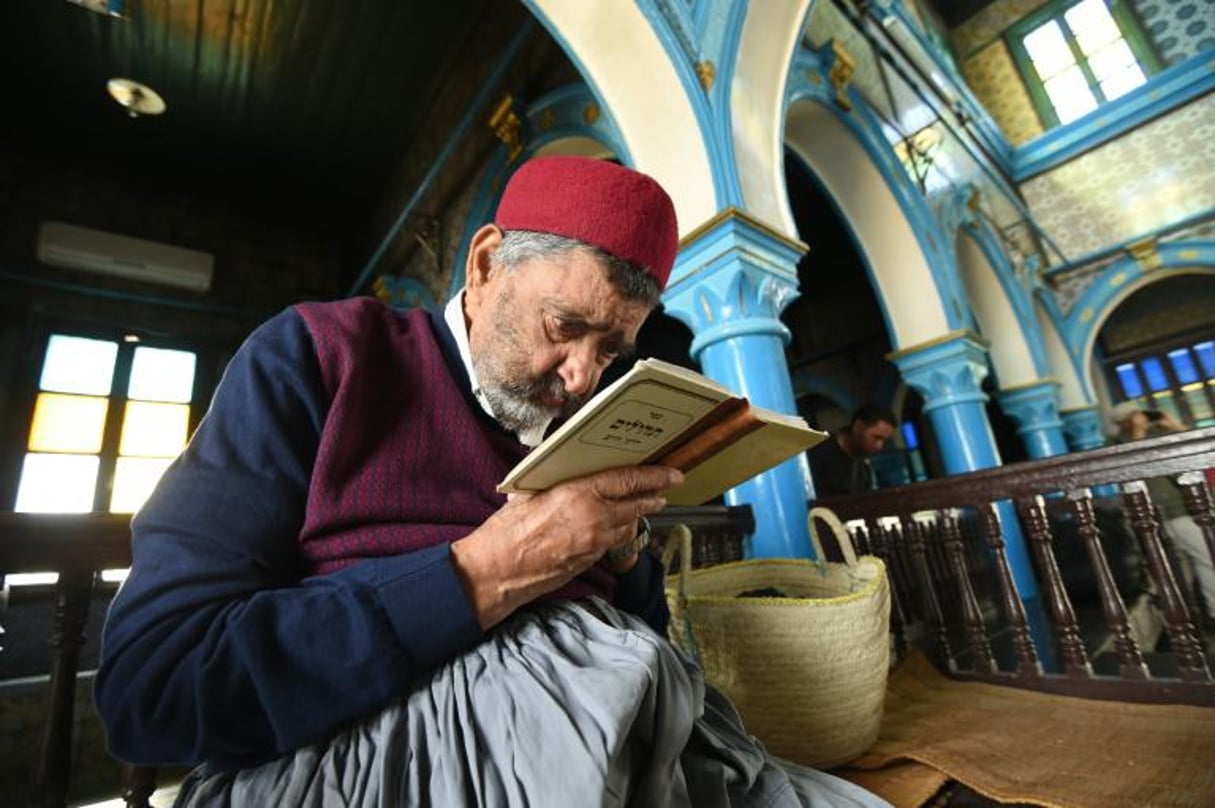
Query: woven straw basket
{"points": [[807, 672]]}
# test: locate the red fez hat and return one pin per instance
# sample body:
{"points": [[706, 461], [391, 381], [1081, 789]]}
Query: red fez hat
{"points": [[621, 211]]}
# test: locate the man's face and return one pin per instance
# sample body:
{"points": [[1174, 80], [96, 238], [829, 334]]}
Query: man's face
{"points": [[871, 438], [542, 333]]}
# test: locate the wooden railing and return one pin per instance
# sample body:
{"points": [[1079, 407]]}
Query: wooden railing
{"points": [[78, 547], [944, 543]]}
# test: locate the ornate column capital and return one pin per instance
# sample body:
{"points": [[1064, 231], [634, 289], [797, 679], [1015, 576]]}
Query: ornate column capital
{"points": [[946, 371], [1082, 426], [1035, 408], [733, 278]]}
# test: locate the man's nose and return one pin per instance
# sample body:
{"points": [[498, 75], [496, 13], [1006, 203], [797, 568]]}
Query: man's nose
{"points": [[579, 372]]}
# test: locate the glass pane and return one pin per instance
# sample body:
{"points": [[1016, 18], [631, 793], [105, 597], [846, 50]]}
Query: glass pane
{"points": [[1092, 25], [1206, 357], [78, 365], [1154, 371], [64, 423], [154, 430], [1048, 50], [32, 579], [910, 439], [57, 483], [1200, 407], [1129, 379], [1183, 366], [1166, 403], [158, 374], [1070, 95], [115, 576], [1122, 83], [1111, 60], [134, 479]]}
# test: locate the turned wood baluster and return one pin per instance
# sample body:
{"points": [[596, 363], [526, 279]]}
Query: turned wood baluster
{"points": [[976, 634], [1183, 637], [1198, 504], [1028, 665], [928, 596], [1063, 617], [898, 616], [53, 767], [898, 551], [860, 540], [1130, 660]]}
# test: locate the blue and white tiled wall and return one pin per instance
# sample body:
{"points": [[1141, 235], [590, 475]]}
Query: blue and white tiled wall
{"points": [[1177, 28]]}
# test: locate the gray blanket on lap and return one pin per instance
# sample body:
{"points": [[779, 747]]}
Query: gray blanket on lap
{"points": [[564, 705]]}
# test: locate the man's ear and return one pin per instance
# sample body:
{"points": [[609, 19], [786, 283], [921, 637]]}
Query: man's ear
{"points": [[479, 265]]}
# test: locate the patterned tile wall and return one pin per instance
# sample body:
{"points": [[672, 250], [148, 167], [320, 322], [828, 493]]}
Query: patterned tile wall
{"points": [[993, 76], [1161, 172], [1178, 29], [975, 34]]}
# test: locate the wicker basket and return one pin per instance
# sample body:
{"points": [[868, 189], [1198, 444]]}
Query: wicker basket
{"points": [[807, 671]]}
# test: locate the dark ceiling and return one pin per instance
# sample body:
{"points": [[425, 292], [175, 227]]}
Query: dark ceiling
{"points": [[305, 103]]}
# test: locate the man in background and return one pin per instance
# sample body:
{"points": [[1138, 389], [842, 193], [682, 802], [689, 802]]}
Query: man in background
{"points": [[840, 465]]}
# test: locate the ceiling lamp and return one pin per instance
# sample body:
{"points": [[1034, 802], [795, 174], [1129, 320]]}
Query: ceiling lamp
{"points": [[137, 99], [111, 8]]}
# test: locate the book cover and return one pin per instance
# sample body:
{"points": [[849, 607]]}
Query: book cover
{"points": [[659, 413]]}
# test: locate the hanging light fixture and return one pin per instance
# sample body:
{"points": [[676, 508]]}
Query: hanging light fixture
{"points": [[136, 98]]}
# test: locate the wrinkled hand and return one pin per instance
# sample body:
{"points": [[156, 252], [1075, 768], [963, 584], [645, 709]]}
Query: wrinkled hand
{"points": [[537, 543]]}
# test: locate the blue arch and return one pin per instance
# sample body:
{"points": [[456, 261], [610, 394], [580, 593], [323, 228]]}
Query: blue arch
{"points": [[808, 81], [956, 214], [1116, 282], [557, 115]]}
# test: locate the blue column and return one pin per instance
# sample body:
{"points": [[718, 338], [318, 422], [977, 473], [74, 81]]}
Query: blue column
{"points": [[733, 277], [1082, 426], [1035, 408], [948, 373]]}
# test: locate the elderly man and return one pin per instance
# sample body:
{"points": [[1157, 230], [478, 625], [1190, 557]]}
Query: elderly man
{"points": [[329, 602]]}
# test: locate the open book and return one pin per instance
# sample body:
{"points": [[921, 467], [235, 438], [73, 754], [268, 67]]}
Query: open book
{"points": [[659, 413]]}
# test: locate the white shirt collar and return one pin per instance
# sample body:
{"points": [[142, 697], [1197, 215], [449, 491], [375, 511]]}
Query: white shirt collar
{"points": [[453, 315]]}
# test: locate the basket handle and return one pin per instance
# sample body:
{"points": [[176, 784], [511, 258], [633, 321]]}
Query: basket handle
{"points": [[842, 537], [679, 540]]}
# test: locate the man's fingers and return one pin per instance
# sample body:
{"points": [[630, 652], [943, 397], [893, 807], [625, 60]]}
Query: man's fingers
{"points": [[634, 481]]}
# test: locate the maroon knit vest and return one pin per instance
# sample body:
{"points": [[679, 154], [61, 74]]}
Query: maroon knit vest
{"points": [[404, 461]]}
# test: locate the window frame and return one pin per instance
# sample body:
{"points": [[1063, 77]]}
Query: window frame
{"points": [[1129, 26], [203, 386]]}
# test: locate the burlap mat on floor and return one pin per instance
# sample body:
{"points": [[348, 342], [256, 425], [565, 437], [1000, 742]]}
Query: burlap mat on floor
{"points": [[1016, 745]]}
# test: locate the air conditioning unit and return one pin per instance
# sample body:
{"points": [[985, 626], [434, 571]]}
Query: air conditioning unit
{"points": [[72, 247]]}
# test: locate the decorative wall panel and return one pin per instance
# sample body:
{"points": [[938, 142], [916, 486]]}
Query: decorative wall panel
{"points": [[1178, 29], [993, 76], [1161, 172]]}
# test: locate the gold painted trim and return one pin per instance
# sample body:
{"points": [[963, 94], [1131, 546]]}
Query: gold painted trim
{"points": [[1012, 388], [706, 72], [1145, 253], [950, 336], [843, 65], [1089, 408], [734, 213], [507, 127]]}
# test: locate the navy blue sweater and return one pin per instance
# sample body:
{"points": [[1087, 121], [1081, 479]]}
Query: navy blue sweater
{"points": [[224, 645]]}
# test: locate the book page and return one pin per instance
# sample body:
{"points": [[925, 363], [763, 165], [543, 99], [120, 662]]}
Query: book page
{"points": [[623, 430]]}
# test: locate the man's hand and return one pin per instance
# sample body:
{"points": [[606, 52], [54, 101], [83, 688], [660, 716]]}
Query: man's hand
{"points": [[537, 543]]}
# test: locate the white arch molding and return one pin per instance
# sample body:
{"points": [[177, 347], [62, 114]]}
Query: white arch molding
{"points": [[903, 279], [1007, 344], [625, 64], [1073, 395], [770, 35]]}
